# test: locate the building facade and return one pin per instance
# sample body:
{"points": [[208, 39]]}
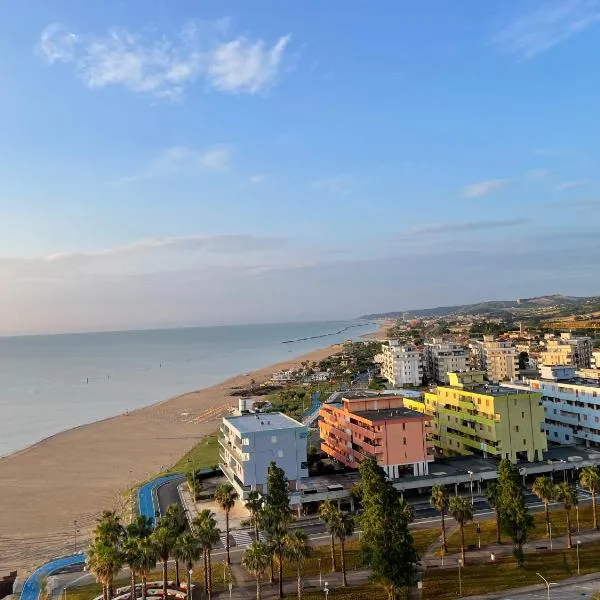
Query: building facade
{"points": [[401, 364], [441, 358], [498, 358], [571, 405], [470, 416], [378, 427], [568, 350], [249, 443]]}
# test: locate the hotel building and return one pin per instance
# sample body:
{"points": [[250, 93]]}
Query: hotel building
{"points": [[499, 359], [401, 364], [442, 358]]}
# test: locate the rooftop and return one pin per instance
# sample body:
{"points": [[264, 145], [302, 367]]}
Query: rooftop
{"points": [[262, 422], [487, 390], [390, 413], [370, 396]]}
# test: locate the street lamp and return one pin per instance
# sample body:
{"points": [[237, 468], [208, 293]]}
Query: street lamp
{"points": [[189, 586], [460, 564], [548, 583], [578, 543], [320, 574], [577, 514], [471, 485], [550, 529], [230, 588], [326, 590]]}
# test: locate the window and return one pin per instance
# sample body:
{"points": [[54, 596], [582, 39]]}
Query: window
{"points": [[524, 442], [273, 439], [304, 465], [245, 441], [517, 428], [522, 415], [555, 434], [566, 438], [404, 441], [279, 453], [403, 426], [487, 403]]}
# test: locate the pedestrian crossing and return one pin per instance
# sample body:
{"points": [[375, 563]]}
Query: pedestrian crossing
{"points": [[241, 537]]}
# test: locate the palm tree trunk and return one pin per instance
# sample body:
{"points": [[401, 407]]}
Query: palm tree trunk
{"points": [[164, 570], [498, 541], [594, 508], [547, 512], [144, 587], [256, 527], [209, 577], [110, 588], [343, 561], [569, 540], [299, 583], [257, 586], [462, 542], [227, 536], [444, 544], [177, 580], [205, 572], [280, 571], [104, 594], [272, 574], [132, 593], [333, 565]]}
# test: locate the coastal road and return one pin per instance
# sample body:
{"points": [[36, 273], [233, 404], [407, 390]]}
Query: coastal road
{"points": [[167, 493]]}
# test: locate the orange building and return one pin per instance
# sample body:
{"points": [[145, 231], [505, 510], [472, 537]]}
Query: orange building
{"points": [[379, 427]]}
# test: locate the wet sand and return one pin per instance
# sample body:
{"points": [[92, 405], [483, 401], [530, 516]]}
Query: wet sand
{"points": [[61, 484]]}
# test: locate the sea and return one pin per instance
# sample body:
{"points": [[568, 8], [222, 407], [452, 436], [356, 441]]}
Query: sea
{"points": [[51, 383]]}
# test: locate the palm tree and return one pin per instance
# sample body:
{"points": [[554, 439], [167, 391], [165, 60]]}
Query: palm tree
{"points": [[147, 558], [462, 512], [208, 534], [225, 495], [342, 526], [298, 550], [188, 550], [254, 504], [326, 512], [564, 493], [589, 477], [492, 495], [163, 540], [108, 527], [255, 560], [439, 500], [140, 528], [131, 557], [176, 522], [407, 512], [543, 488], [104, 560]]}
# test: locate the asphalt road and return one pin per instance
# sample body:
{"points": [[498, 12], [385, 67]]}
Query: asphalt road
{"points": [[573, 591], [167, 494]]}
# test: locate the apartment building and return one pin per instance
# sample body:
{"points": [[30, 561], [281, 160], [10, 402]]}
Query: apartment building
{"points": [[401, 364], [379, 427], [249, 443], [571, 404], [471, 416], [441, 358], [498, 358], [568, 350]]}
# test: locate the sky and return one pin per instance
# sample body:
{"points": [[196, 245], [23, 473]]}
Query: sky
{"points": [[175, 163]]}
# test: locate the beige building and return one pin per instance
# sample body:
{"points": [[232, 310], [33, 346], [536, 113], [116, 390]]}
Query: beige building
{"points": [[568, 350], [441, 358], [499, 359], [401, 364]]}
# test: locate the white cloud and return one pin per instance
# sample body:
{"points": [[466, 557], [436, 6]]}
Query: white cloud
{"points": [[256, 179], [338, 186], [552, 23], [569, 185], [164, 66], [539, 173], [244, 66], [482, 188], [436, 228], [216, 159]]}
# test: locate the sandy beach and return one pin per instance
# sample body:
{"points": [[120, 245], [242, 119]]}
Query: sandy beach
{"points": [[61, 484]]}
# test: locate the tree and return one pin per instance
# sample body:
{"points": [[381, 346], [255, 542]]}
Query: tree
{"points": [[104, 560], [255, 560], [326, 514], [439, 500], [564, 493], [406, 510], [140, 528], [208, 534], [254, 505], [543, 488], [131, 557], [523, 360], [147, 558], [515, 520], [387, 545], [589, 477], [225, 495], [462, 512], [297, 550], [492, 493], [108, 528], [342, 526], [163, 539], [188, 550], [176, 522]]}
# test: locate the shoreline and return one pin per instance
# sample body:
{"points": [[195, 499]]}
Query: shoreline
{"points": [[61, 483]]}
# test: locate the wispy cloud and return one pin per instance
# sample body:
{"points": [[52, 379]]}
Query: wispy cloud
{"points": [[553, 22], [256, 179], [482, 188], [539, 173], [182, 160], [569, 185], [436, 228], [338, 186], [165, 66]]}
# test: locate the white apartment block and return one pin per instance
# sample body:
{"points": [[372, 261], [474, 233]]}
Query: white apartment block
{"points": [[568, 350], [571, 405], [249, 443], [499, 359], [402, 364], [441, 358]]}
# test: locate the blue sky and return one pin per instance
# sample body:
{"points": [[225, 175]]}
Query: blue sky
{"points": [[178, 163]]}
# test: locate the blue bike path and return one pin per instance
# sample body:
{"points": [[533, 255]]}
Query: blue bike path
{"points": [[147, 500]]}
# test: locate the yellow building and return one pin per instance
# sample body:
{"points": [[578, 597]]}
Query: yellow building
{"points": [[471, 416]]}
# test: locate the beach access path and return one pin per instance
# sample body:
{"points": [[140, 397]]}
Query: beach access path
{"points": [[53, 491]]}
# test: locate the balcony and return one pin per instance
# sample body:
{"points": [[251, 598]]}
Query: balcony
{"points": [[225, 443]]}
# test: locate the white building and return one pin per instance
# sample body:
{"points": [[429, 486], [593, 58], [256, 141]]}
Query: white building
{"points": [[571, 405], [249, 443], [568, 350], [499, 359], [402, 364], [441, 358]]}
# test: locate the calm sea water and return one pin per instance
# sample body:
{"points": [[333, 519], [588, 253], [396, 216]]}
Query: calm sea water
{"points": [[52, 383]]}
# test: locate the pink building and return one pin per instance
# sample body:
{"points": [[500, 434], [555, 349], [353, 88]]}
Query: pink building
{"points": [[379, 427]]}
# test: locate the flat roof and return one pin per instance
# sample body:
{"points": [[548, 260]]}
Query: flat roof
{"points": [[262, 422], [487, 390], [390, 413]]}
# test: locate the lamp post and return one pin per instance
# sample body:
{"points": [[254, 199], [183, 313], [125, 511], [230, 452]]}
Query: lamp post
{"points": [[320, 574], [550, 529], [478, 535], [326, 590], [189, 586], [471, 485], [577, 514], [548, 583], [75, 531], [578, 542], [460, 564], [230, 588]]}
